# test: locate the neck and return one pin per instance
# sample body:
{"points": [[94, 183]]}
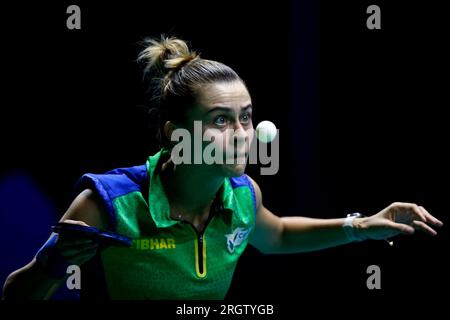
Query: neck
{"points": [[190, 189]]}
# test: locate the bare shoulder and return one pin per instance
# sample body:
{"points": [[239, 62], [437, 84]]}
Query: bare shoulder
{"points": [[87, 207]]}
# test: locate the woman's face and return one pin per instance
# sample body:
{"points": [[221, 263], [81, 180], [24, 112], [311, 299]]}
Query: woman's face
{"points": [[225, 112]]}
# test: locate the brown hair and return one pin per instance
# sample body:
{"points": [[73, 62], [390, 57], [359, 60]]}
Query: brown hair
{"points": [[176, 73]]}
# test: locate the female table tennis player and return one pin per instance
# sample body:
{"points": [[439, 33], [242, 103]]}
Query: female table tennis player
{"points": [[190, 222]]}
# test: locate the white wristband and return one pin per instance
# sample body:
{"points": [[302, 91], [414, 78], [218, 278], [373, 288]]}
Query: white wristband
{"points": [[349, 229]]}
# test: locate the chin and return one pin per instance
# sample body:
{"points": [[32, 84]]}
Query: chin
{"points": [[233, 170]]}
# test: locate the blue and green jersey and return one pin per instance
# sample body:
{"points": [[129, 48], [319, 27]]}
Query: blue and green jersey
{"points": [[169, 258]]}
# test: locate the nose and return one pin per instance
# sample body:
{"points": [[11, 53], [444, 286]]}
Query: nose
{"points": [[239, 132], [241, 137]]}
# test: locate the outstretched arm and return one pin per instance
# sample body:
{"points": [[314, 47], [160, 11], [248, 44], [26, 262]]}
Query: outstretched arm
{"points": [[273, 234]]}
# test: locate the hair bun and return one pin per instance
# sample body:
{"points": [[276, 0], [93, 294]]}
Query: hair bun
{"points": [[168, 54]]}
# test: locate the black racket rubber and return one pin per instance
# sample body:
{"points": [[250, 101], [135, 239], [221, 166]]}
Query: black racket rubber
{"points": [[95, 234]]}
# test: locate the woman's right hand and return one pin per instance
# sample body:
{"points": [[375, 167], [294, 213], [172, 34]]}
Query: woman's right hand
{"points": [[40, 278], [61, 251]]}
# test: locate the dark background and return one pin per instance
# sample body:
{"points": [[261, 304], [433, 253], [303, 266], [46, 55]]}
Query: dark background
{"points": [[361, 115]]}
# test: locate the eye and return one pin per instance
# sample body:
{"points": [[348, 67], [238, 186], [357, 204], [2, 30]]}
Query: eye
{"points": [[220, 120], [246, 117]]}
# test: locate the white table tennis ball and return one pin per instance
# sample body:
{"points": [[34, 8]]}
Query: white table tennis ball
{"points": [[266, 131]]}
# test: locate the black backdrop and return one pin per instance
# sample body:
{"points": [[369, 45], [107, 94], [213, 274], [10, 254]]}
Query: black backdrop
{"points": [[361, 115]]}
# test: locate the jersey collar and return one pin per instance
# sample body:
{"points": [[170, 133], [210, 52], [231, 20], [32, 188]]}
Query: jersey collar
{"points": [[158, 201]]}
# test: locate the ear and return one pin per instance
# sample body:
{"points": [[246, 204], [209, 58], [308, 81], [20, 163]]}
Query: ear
{"points": [[169, 127]]}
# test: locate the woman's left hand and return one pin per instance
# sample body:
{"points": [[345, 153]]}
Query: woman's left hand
{"points": [[398, 218]]}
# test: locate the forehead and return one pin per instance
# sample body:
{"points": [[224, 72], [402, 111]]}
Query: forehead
{"points": [[225, 94]]}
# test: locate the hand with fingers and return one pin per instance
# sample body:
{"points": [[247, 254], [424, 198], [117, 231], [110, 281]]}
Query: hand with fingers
{"points": [[398, 218], [61, 251]]}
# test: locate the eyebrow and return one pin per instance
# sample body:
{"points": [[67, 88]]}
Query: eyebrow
{"points": [[227, 109]]}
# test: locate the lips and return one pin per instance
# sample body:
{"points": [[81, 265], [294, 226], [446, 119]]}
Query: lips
{"points": [[240, 155]]}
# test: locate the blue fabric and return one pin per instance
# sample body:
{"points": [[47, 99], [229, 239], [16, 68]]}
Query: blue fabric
{"points": [[244, 181], [113, 184]]}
